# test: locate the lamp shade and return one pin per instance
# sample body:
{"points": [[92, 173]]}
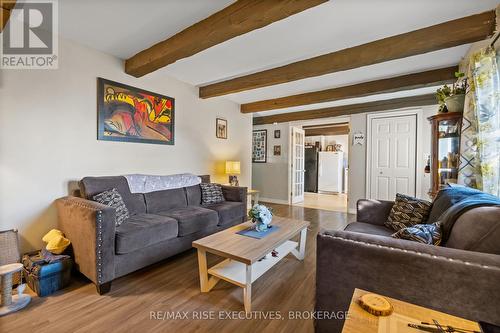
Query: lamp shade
{"points": [[233, 167]]}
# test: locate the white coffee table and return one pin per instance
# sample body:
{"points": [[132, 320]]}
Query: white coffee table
{"points": [[242, 266]]}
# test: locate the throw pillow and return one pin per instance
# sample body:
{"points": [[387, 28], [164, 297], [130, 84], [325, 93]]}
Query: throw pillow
{"points": [[211, 193], [408, 211], [113, 199], [422, 233]]}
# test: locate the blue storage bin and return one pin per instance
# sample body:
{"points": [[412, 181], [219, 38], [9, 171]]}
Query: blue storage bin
{"points": [[45, 278]]}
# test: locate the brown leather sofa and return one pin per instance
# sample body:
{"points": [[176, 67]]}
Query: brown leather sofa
{"points": [[161, 224], [461, 277]]}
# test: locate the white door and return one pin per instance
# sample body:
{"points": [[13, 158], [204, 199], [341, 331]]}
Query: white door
{"points": [[392, 158], [298, 168]]}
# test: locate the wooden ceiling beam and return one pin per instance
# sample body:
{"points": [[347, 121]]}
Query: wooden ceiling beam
{"points": [[398, 83], [384, 105], [5, 8], [236, 19], [337, 130], [441, 36]]}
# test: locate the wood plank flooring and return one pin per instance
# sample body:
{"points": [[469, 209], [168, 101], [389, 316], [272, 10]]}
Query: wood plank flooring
{"points": [[171, 287]]}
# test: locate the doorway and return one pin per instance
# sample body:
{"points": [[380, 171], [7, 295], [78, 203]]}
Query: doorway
{"points": [[325, 166], [392, 148]]}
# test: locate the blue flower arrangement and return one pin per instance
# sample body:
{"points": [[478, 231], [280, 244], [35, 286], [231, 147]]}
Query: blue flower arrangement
{"points": [[262, 215]]}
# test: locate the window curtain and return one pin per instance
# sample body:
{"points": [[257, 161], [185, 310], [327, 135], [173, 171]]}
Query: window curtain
{"points": [[480, 135]]}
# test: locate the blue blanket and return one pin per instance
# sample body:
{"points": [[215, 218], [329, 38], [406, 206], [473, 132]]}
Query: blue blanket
{"points": [[461, 199]]}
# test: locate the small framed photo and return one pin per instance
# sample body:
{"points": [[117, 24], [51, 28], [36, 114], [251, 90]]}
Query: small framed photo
{"points": [[221, 128], [277, 134], [277, 150], [329, 148]]}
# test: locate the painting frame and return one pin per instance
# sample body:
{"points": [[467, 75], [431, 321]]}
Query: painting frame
{"points": [[260, 147], [101, 114], [277, 150], [222, 135], [277, 134]]}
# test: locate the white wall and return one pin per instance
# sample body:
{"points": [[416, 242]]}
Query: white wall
{"points": [[271, 178], [48, 126]]}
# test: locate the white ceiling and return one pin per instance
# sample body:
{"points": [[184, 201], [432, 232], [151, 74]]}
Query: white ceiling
{"points": [[124, 27]]}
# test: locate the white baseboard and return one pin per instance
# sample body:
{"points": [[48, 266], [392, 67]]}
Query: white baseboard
{"points": [[277, 201]]}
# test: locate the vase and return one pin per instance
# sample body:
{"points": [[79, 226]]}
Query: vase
{"points": [[259, 226], [455, 103]]}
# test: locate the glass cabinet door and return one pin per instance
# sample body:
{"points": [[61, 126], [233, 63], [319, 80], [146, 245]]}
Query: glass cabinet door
{"points": [[448, 150]]}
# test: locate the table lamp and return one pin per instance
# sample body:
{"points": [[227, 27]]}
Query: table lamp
{"points": [[233, 169]]}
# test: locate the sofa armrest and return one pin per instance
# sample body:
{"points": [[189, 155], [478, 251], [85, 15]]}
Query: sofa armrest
{"points": [[373, 211], [90, 226], [234, 193], [462, 283]]}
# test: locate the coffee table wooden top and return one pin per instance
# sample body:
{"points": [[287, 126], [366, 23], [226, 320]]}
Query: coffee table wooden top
{"points": [[361, 321], [227, 243]]}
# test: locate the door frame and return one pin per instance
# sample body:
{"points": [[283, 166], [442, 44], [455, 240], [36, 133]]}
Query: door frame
{"points": [[319, 121], [419, 163]]}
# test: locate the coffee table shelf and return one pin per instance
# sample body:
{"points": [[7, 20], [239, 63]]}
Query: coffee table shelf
{"points": [[235, 272]]}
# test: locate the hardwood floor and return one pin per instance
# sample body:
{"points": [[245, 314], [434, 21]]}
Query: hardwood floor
{"points": [[171, 287]]}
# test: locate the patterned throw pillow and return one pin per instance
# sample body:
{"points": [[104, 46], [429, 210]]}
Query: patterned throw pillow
{"points": [[113, 199], [211, 193], [422, 233], [408, 211]]}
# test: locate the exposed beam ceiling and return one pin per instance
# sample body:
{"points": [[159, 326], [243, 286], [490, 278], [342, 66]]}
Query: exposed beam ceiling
{"points": [[387, 104], [404, 82], [239, 18], [330, 130], [5, 8], [445, 35]]}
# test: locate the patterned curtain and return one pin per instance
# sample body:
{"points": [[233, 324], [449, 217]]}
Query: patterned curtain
{"points": [[480, 137]]}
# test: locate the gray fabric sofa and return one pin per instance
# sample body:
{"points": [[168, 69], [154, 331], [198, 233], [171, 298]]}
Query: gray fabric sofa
{"points": [[462, 277], [161, 224]]}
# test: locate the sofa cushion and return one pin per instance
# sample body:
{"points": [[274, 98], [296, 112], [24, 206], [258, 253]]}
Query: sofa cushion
{"points": [[407, 211], [477, 230], [211, 193], [90, 186], [229, 211], [164, 200], [142, 230], [192, 219], [113, 199], [368, 228], [423, 233], [193, 194]]}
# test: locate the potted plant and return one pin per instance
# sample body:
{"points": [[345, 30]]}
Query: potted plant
{"points": [[453, 99], [262, 216]]}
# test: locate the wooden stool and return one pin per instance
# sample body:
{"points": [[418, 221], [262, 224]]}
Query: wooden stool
{"points": [[11, 303]]}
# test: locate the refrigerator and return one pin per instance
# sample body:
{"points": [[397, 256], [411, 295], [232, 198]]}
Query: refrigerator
{"points": [[311, 167], [330, 171]]}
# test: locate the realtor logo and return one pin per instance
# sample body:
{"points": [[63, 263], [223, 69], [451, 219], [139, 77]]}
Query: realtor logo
{"points": [[29, 39]]}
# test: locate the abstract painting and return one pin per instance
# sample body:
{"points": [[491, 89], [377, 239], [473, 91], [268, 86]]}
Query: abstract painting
{"points": [[259, 146], [130, 114]]}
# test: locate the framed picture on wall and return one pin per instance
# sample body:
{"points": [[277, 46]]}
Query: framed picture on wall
{"points": [[277, 150], [259, 146], [277, 134], [131, 114], [221, 128]]}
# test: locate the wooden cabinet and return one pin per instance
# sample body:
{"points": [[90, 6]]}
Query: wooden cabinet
{"points": [[445, 149]]}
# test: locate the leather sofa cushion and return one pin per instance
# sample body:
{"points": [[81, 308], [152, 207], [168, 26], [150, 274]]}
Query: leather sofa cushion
{"points": [[192, 219], [367, 228], [229, 211], [164, 200], [193, 194], [477, 230], [90, 186], [142, 230]]}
